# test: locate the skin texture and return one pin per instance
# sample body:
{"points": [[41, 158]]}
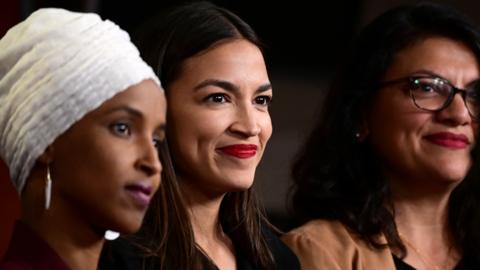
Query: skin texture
{"points": [[92, 166], [422, 173], [398, 129], [219, 99]]}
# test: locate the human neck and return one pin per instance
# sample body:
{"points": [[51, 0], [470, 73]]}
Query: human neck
{"points": [[204, 212], [421, 217], [65, 232], [422, 212], [420, 201]]}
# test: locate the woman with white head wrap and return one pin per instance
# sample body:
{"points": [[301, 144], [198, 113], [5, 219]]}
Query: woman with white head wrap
{"points": [[81, 120]]}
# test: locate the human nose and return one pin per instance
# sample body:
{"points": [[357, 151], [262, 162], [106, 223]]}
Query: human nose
{"points": [[456, 112], [246, 121], [148, 159]]}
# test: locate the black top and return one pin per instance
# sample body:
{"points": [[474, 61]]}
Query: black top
{"points": [[122, 255], [462, 265], [401, 265]]}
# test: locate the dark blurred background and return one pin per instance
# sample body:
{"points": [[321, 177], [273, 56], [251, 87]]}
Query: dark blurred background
{"points": [[305, 43]]}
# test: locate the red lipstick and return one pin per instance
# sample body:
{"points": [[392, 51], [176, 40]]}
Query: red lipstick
{"points": [[140, 194], [449, 140], [242, 151]]}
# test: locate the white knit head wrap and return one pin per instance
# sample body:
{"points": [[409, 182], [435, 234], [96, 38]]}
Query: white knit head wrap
{"points": [[55, 67]]}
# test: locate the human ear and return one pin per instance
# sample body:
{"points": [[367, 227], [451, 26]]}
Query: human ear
{"points": [[362, 131], [47, 156]]}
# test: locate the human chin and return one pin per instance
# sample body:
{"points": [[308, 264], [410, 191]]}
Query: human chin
{"points": [[452, 170], [239, 180], [127, 221], [123, 216]]}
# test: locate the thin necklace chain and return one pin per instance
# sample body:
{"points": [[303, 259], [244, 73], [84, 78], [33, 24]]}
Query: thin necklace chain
{"points": [[422, 257]]}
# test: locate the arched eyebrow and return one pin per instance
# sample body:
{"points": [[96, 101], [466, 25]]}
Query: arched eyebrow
{"points": [[161, 128], [129, 110], [434, 74], [228, 86], [426, 72], [473, 84], [264, 88]]}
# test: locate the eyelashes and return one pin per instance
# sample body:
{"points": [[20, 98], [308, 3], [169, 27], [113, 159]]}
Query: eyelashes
{"points": [[263, 100], [221, 98], [217, 98], [125, 130], [121, 129]]}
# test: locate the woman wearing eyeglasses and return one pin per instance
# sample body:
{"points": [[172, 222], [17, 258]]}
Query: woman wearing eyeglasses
{"points": [[386, 180]]}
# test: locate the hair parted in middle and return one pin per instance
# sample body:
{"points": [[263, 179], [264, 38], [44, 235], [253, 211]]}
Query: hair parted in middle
{"points": [[166, 43], [339, 177]]}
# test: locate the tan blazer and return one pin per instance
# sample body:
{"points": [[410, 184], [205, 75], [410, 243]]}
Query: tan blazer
{"points": [[322, 244]]}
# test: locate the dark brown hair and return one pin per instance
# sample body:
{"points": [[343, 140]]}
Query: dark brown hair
{"points": [[338, 178], [165, 43]]}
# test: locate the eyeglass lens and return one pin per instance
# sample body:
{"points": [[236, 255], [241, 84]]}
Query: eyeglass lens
{"points": [[431, 93]]}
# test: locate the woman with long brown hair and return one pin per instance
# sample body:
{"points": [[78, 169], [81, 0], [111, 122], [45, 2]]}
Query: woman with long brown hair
{"points": [[216, 83], [389, 177]]}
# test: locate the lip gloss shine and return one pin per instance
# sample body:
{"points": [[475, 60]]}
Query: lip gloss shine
{"points": [[242, 151]]}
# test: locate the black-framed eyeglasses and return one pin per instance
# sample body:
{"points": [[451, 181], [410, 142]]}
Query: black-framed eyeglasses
{"points": [[432, 93]]}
